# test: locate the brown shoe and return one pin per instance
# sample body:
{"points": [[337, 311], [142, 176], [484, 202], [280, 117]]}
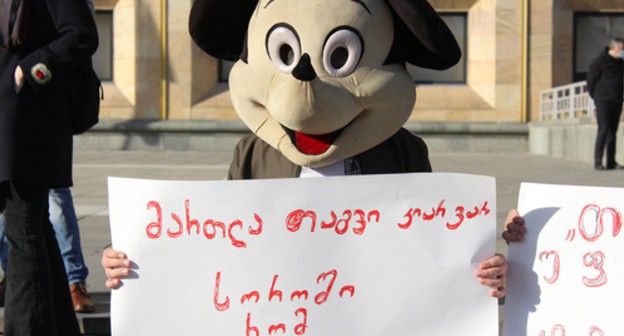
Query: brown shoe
{"points": [[83, 303]]}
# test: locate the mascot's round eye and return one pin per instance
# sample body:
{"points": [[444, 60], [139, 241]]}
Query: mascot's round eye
{"points": [[342, 52], [282, 44]]}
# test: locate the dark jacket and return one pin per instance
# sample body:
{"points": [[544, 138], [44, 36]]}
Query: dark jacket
{"points": [[35, 131], [404, 152], [605, 78]]}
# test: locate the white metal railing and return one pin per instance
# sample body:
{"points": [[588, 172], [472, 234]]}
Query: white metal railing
{"points": [[566, 102]]}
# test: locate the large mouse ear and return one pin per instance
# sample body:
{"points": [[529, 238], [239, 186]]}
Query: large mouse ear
{"points": [[421, 37], [219, 27]]}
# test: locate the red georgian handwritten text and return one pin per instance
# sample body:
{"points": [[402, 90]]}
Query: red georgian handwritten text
{"points": [[595, 260], [461, 214], [326, 282], [209, 228], [358, 220], [555, 267], [597, 217], [559, 330], [591, 227]]}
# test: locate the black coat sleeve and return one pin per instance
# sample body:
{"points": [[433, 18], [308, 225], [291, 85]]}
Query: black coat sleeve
{"points": [[593, 75], [77, 39]]}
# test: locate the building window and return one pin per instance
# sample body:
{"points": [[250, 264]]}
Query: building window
{"points": [[592, 33], [457, 23], [103, 57]]}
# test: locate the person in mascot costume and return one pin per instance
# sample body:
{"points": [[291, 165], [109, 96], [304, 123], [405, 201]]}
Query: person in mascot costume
{"points": [[323, 86]]}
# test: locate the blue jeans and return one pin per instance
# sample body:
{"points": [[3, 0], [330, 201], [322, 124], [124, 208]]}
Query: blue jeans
{"points": [[65, 224]]}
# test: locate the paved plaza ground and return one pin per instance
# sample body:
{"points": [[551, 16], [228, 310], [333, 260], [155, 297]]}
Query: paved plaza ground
{"points": [[91, 169]]}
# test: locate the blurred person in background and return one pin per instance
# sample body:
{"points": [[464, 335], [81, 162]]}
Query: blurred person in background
{"points": [[605, 84]]}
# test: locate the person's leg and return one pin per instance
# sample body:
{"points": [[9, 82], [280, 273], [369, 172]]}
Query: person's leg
{"points": [[601, 134], [65, 223], [37, 298], [613, 112], [4, 245], [617, 116]]}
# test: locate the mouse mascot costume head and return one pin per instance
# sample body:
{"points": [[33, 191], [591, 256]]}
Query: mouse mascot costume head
{"points": [[322, 84]]}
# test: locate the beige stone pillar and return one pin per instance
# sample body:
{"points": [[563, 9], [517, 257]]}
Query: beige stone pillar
{"points": [[493, 87], [134, 92], [509, 60], [194, 88]]}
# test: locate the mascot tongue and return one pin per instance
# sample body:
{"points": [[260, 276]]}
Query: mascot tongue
{"points": [[314, 144]]}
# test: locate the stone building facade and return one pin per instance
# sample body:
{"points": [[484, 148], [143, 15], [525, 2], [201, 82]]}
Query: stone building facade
{"points": [[513, 49]]}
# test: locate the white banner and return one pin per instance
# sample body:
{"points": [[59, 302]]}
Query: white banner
{"points": [[359, 255], [566, 277]]}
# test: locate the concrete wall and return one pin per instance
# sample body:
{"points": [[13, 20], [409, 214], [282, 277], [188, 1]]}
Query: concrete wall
{"points": [[571, 140], [204, 135]]}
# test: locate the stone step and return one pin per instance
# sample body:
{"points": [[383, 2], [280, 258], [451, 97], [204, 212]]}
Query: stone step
{"points": [[205, 135], [98, 322]]}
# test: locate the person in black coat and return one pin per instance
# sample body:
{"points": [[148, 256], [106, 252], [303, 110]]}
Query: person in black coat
{"points": [[605, 84], [41, 40]]}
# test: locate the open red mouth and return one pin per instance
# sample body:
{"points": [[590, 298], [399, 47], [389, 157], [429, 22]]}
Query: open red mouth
{"points": [[312, 144]]}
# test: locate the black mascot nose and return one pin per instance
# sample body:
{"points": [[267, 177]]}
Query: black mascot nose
{"points": [[304, 70]]}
